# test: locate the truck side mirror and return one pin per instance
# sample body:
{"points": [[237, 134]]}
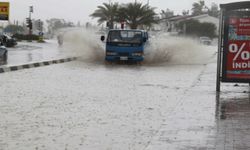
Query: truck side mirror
{"points": [[102, 38], [144, 39]]}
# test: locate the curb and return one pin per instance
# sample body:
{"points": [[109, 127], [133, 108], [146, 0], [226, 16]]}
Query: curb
{"points": [[35, 65]]}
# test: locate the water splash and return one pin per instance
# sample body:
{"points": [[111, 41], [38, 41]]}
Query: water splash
{"points": [[163, 49], [177, 50], [84, 43]]}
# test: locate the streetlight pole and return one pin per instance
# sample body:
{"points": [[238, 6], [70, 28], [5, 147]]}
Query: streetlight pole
{"points": [[30, 11]]}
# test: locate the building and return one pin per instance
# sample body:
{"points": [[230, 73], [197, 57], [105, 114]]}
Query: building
{"points": [[170, 24]]}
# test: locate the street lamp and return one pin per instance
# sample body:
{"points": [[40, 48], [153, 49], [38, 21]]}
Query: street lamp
{"points": [[31, 10]]}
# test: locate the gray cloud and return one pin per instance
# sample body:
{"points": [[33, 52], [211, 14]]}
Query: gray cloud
{"points": [[79, 10]]}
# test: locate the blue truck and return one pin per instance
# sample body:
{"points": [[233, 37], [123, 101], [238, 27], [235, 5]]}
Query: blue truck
{"points": [[125, 45]]}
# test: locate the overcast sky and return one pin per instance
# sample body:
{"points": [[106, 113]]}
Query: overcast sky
{"points": [[79, 10]]}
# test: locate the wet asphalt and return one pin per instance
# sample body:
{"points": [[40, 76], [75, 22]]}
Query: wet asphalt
{"points": [[93, 106]]}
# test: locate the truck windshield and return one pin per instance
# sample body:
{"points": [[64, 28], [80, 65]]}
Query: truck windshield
{"points": [[124, 36]]}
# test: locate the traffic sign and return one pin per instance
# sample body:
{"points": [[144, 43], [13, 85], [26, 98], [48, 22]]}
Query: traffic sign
{"points": [[4, 10], [41, 33]]}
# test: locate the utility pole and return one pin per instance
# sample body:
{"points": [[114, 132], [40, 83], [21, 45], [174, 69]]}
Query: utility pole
{"points": [[40, 28], [30, 25]]}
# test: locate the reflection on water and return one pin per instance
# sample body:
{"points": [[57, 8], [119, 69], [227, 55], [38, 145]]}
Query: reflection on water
{"points": [[26, 52], [30, 57], [233, 120], [232, 107]]}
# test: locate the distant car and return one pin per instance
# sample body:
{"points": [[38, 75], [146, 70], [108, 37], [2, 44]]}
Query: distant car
{"points": [[3, 54], [205, 40], [7, 40]]}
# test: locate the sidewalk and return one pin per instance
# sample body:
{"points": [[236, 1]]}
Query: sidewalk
{"points": [[202, 121]]}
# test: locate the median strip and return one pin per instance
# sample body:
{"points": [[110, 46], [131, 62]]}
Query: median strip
{"points": [[35, 65]]}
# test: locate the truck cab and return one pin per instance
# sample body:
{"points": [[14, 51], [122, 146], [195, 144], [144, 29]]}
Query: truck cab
{"points": [[125, 45]]}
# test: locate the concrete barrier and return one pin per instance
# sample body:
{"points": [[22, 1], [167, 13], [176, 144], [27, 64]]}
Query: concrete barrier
{"points": [[34, 65]]}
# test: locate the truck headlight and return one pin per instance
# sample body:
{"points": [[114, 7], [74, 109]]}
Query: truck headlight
{"points": [[137, 54], [111, 53]]}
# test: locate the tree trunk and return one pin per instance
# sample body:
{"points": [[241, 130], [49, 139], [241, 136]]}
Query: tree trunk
{"points": [[133, 26], [111, 25]]}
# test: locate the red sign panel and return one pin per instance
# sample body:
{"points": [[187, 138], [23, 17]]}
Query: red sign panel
{"points": [[238, 48], [4, 10]]}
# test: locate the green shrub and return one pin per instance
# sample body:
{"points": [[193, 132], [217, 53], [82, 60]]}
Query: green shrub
{"points": [[195, 28], [21, 37]]}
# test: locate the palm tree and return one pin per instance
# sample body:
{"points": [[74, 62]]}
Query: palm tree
{"points": [[198, 7], [136, 14], [106, 13], [214, 10], [166, 13]]}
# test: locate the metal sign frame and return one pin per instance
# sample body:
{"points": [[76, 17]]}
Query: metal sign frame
{"points": [[227, 10]]}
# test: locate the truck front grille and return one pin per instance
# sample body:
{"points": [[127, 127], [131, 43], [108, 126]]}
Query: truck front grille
{"points": [[124, 54]]}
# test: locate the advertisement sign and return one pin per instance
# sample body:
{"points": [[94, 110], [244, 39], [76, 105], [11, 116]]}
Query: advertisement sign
{"points": [[233, 57], [4, 10], [236, 55]]}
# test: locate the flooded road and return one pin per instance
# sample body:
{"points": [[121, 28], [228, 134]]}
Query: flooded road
{"points": [[94, 106], [166, 104], [29, 52]]}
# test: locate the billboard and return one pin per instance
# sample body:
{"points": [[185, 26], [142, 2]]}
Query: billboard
{"points": [[236, 47], [4, 10]]}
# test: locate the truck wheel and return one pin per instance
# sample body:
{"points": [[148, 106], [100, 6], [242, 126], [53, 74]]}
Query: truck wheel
{"points": [[108, 62]]}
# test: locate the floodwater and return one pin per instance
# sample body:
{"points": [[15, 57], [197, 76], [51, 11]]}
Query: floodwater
{"points": [[160, 49], [167, 103], [29, 52]]}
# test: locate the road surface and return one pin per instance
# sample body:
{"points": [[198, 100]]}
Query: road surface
{"points": [[92, 106]]}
